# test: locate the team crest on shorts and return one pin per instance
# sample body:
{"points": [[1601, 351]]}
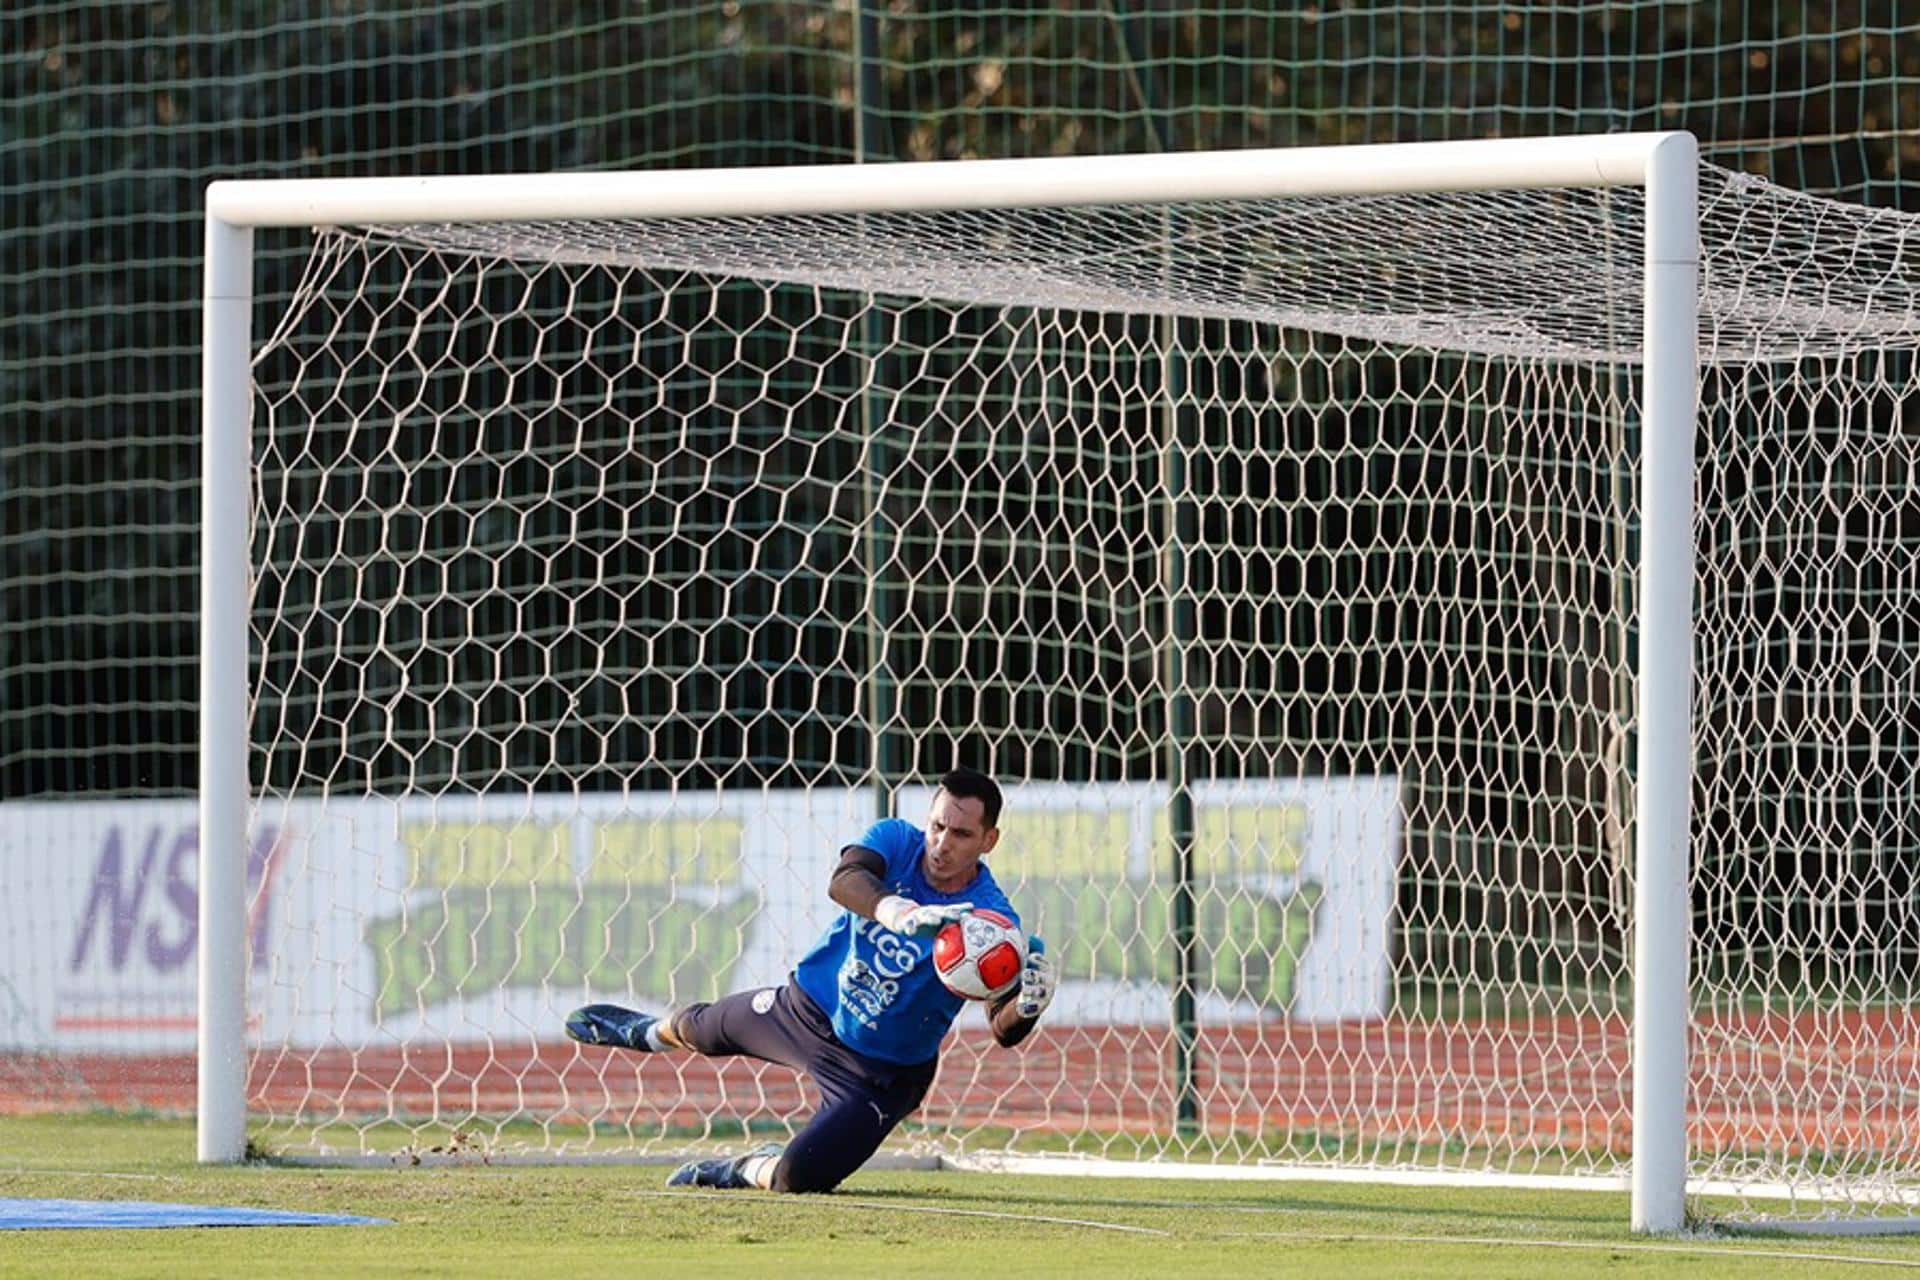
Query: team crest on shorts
{"points": [[763, 1000]]}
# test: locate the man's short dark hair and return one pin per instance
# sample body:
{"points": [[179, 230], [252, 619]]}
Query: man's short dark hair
{"points": [[971, 784]]}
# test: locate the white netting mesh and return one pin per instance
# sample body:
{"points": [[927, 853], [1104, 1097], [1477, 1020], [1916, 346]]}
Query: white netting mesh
{"points": [[1786, 275], [603, 568]]}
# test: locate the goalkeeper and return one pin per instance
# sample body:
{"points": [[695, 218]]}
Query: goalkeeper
{"points": [[864, 1012]]}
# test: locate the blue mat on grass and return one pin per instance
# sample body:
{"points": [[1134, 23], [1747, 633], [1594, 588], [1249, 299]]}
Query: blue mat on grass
{"points": [[16, 1215]]}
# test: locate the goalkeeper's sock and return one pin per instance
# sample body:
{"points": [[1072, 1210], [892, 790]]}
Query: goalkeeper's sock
{"points": [[757, 1169]]}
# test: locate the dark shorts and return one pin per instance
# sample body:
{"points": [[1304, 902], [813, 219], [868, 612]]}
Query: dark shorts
{"points": [[861, 1098]]}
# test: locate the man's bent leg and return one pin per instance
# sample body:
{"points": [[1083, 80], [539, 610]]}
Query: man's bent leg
{"points": [[748, 1022], [839, 1139], [862, 1100], [760, 1024], [856, 1114]]}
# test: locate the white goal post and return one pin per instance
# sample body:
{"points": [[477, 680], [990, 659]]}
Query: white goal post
{"points": [[1664, 165]]}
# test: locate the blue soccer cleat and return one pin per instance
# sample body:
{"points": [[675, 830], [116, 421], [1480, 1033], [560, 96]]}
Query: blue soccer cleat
{"points": [[609, 1024], [726, 1173]]}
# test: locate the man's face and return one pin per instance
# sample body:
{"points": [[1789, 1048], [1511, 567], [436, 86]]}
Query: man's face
{"points": [[957, 836]]}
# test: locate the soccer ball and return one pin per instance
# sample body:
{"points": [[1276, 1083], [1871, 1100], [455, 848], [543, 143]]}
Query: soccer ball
{"points": [[979, 956]]}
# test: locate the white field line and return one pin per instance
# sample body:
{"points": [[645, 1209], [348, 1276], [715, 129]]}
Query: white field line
{"points": [[1630, 1246], [1074, 1166], [839, 1202], [38, 1171]]}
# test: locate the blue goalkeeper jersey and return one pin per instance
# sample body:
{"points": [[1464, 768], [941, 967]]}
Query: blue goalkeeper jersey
{"points": [[878, 986]]}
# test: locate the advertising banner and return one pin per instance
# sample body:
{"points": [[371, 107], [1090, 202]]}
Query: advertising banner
{"points": [[390, 921]]}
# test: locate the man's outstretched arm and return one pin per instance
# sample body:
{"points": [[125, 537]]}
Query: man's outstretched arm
{"points": [[857, 886], [1015, 1015]]}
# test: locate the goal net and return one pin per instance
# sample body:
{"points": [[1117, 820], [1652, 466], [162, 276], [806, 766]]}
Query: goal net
{"points": [[1281, 558]]}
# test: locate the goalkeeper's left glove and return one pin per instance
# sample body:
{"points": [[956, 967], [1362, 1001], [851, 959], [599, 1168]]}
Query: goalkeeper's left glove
{"points": [[1036, 981]]}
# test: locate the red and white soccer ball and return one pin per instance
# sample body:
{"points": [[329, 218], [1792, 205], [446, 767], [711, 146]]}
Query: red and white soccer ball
{"points": [[980, 955]]}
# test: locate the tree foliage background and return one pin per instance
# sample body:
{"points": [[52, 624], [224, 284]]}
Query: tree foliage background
{"points": [[115, 116]]}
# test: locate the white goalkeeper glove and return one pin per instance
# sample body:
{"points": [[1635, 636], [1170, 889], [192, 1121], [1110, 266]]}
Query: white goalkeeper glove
{"points": [[904, 915], [1036, 981]]}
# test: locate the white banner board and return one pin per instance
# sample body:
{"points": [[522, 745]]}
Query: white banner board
{"points": [[380, 921]]}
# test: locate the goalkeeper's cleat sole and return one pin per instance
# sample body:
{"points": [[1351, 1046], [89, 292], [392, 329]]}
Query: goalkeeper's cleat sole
{"points": [[610, 1025], [723, 1173]]}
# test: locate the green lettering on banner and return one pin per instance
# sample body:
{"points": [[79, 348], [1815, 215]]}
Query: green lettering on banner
{"points": [[479, 854], [667, 851], [1066, 844], [469, 942], [1092, 947], [1250, 944], [596, 952], [1239, 841], [400, 972], [1297, 923]]}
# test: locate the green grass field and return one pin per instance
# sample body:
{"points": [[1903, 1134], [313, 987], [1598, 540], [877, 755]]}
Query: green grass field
{"points": [[527, 1221]]}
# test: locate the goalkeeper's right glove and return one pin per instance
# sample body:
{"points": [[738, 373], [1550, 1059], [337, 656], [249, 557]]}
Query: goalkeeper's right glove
{"points": [[904, 915]]}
